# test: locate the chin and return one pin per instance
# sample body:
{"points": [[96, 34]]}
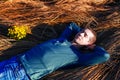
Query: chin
{"points": [[78, 43]]}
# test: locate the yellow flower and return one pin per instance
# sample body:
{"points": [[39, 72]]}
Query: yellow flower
{"points": [[18, 32]]}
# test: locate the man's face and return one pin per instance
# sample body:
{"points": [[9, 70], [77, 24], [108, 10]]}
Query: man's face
{"points": [[84, 37]]}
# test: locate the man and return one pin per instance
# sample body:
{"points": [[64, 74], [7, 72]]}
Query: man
{"points": [[53, 54]]}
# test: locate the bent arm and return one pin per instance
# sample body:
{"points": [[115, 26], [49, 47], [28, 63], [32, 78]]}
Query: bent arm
{"points": [[71, 29], [99, 55]]}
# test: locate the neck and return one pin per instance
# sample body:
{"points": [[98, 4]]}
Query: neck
{"points": [[76, 44]]}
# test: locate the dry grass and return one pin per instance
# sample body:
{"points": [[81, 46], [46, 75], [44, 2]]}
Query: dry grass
{"points": [[47, 19], [32, 13]]}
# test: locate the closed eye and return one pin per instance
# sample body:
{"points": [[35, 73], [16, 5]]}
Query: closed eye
{"points": [[85, 34]]}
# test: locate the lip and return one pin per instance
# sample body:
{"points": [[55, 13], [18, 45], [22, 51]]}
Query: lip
{"points": [[77, 37]]}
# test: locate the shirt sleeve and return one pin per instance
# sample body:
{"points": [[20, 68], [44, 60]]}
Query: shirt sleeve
{"points": [[99, 55], [71, 29]]}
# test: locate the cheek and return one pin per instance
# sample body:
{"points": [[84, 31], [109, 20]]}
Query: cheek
{"points": [[86, 39]]}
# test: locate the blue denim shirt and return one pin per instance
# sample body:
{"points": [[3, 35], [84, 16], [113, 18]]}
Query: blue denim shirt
{"points": [[53, 54]]}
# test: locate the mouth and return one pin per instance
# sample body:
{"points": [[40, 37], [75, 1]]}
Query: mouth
{"points": [[77, 37]]}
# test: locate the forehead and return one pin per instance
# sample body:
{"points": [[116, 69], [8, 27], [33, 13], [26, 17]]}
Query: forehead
{"points": [[88, 32]]}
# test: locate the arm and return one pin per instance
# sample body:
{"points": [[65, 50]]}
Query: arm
{"points": [[70, 30], [98, 55]]}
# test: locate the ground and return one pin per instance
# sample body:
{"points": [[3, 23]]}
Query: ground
{"points": [[106, 24]]}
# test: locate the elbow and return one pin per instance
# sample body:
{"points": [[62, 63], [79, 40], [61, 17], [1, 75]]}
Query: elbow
{"points": [[106, 56]]}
